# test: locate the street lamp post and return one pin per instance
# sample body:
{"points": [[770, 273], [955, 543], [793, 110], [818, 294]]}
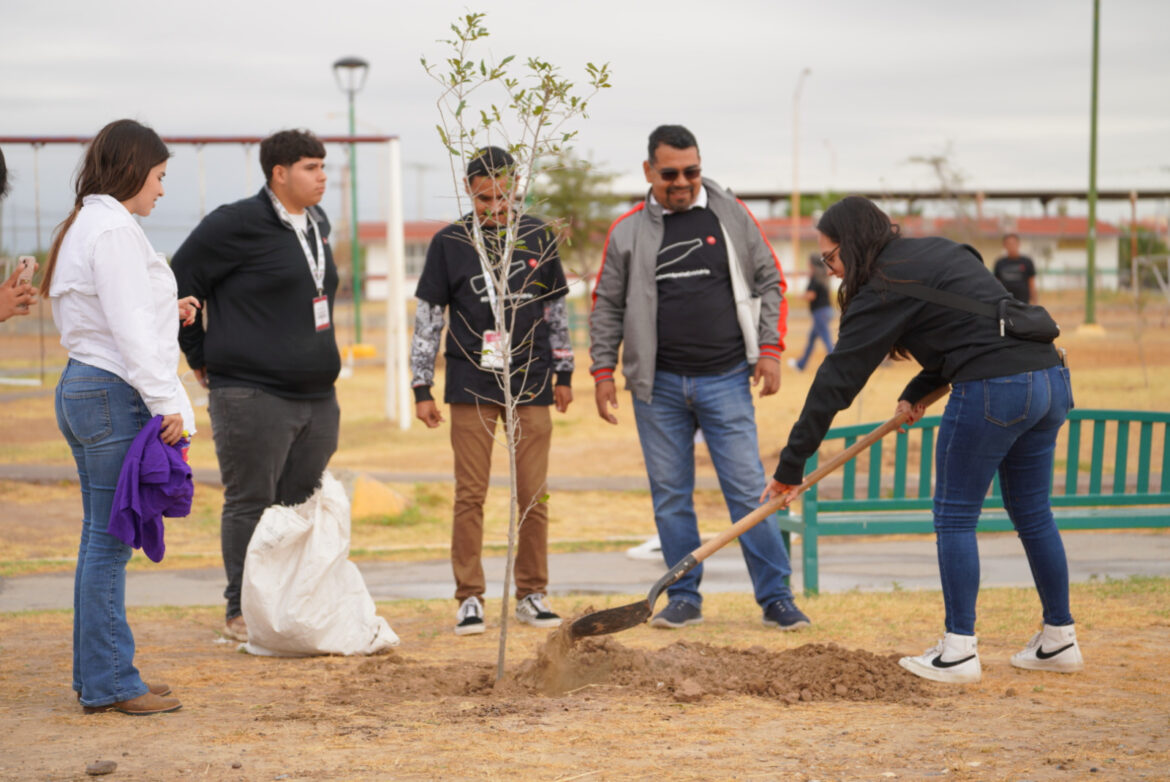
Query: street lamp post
{"points": [[350, 73], [794, 203]]}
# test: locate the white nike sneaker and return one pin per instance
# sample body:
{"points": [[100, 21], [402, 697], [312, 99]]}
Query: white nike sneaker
{"points": [[1052, 649], [953, 660]]}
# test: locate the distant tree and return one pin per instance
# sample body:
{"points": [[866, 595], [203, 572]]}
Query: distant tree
{"points": [[578, 197]]}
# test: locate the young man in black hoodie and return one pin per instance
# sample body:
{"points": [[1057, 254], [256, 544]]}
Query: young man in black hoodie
{"points": [[263, 269]]}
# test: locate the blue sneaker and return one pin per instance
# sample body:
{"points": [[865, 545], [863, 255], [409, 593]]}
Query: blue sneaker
{"points": [[784, 614], [678, 613]]}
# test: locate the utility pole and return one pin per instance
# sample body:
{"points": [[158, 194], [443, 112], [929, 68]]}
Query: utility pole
{"points": [[1091, 240], [794, 203]]}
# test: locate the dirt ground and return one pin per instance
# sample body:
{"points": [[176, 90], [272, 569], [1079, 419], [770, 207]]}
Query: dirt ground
{"points": [[728, 699]]}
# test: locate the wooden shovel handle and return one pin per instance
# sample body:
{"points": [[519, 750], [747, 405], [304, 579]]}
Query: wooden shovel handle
{"points": [[770, 507]]}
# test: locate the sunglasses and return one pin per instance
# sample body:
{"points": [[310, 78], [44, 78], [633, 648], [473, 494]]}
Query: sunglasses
{"points": [[826, 257], [670, 174]]}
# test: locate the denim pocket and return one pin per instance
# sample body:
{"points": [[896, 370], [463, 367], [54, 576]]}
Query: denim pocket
{"points": [[88, 415], [1006, 399]]}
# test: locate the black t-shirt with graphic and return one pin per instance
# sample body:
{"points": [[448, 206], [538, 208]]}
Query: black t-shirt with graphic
{"points": [[453, 278], [698, 332], [1014, 273]]}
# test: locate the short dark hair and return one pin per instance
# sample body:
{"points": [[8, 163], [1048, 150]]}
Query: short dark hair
{"points": [[286, 148], [672, 136], [3, 175], [490, 162], [1011, 236]]}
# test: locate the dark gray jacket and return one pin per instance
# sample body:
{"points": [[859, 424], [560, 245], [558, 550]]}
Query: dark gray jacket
{"points": [[625, 299]]}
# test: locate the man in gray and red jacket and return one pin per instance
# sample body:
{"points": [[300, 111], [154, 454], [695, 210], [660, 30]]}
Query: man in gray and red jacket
{"points": [[691, 288]]}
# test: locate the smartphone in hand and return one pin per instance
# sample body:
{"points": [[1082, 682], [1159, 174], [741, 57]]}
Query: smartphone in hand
{"points": [[26, 267]]}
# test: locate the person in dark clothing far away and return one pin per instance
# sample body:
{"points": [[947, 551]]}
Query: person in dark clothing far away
{"points": [[692, 293], [1009, 398], [1017, 272], [269, 354], [820, 306]]}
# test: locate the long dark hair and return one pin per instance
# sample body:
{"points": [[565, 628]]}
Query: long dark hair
{"points": [[116, 164], [862, 231]]}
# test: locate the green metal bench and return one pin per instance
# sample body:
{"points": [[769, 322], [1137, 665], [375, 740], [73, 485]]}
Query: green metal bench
{"points": [[1105, 493]]}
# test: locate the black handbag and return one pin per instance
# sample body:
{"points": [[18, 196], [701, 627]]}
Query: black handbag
{"points": [[1022, 321]]}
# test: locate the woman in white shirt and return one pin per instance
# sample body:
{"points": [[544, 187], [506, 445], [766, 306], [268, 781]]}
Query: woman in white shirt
{"points": [[114, 302]]}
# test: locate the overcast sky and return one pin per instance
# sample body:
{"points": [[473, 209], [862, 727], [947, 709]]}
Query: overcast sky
{"points": [[1003, 84]]}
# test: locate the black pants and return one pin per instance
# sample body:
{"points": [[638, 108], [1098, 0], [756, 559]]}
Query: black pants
{"points": [[271, 451]]}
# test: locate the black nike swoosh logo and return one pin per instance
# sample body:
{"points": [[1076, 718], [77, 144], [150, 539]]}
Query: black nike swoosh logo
{"points": [[1043, 655], [937, 662]]}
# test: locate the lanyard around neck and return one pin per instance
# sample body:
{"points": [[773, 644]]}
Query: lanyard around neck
{"points": [[316, 265]]}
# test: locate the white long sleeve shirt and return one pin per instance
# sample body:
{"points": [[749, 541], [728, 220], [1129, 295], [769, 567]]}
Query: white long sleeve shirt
{"points": [[115, 304]]}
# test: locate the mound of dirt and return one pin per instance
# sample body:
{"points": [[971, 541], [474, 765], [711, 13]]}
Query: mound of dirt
{"points": [[689, 671]]}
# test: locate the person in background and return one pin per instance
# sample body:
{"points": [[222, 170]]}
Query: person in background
{"points": [[691, 292], [1016, 272], [114, 303], [1009, 398], [14, 297], [269, 354], [820, 308], [453, 278]]}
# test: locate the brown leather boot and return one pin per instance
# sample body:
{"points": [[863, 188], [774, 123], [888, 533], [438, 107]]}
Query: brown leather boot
{"points": [[145, 704], [160, 688], [236, 629]]}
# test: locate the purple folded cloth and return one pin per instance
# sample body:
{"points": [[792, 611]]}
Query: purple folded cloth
{"points": [[154, 482]]}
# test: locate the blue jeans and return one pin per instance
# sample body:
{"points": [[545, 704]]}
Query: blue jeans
{"points": [[720, 405], [100, 415], [1005, 424], [822, 317]]}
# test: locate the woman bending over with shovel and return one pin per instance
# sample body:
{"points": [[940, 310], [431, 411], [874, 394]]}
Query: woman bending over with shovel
{"points": [[1008, 400]]}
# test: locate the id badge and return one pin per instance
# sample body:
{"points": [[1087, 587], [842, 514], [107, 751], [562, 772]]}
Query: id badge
{"points": [[494, 345], [321, 312]]}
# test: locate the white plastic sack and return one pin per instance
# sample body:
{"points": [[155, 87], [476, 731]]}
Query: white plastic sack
{"points": [[301, 595]]}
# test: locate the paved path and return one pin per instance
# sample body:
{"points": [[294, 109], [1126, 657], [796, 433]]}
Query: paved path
{"points": [[868, 564]]}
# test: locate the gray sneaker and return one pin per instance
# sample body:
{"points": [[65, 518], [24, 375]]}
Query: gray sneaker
{"points": [[534, 610]]}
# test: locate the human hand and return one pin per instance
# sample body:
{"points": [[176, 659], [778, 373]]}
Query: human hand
{"points": [[201, 376], [767, 369], [14, 297], [428, 412], [912, 412], [188, 310], [172, 428], [776, 489], [563, 395], [605, 395]]}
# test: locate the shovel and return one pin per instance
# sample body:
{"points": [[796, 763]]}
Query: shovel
{"points": [[613, 620]]}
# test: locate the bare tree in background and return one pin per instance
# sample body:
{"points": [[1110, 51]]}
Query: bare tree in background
{"points": [[485, 103]]}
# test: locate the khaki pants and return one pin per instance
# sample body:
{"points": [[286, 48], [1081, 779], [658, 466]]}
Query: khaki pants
{"points": [[472, 435]]}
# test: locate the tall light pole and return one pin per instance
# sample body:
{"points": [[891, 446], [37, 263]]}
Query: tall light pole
{"points": [[794, 203], [350, 73], [1091, 243]]}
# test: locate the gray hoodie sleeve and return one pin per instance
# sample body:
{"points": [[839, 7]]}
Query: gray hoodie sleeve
{"points": [[609, 303]]}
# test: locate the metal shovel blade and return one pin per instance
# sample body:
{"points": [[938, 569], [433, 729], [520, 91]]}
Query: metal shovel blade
{"points": [[613, 620]]}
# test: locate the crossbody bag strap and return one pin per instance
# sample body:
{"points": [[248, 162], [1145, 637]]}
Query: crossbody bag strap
{"points": [[947, 299]]}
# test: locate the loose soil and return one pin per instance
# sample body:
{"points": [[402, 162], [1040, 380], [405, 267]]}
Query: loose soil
{"points": [[728, 699]]}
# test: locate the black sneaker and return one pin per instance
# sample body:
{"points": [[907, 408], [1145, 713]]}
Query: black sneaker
{"points": [[678, 613], [469, 620], [784, 614]]}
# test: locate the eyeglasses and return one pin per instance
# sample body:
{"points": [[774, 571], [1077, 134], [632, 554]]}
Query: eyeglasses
{"points": [[670, 174], [826, 257]]}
